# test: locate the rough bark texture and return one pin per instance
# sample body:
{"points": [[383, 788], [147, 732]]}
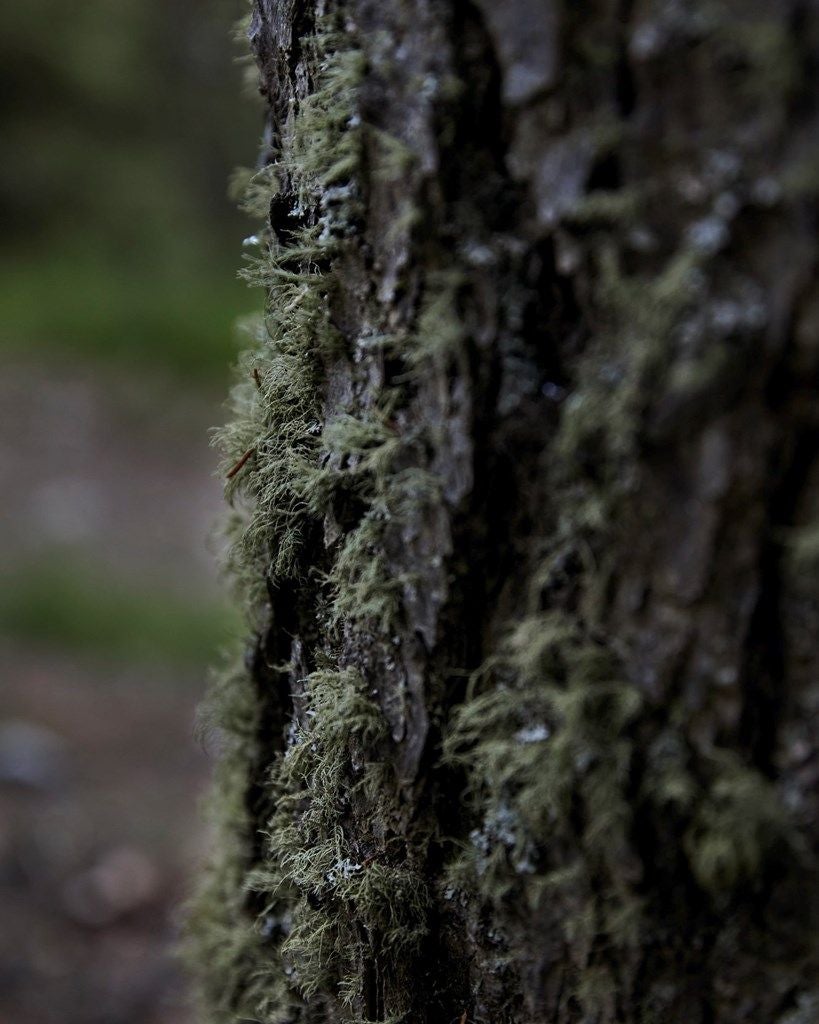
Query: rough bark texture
{"points": [[527, 731]]}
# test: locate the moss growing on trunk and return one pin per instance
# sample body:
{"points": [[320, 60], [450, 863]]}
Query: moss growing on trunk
{"points": [[520, 733]]}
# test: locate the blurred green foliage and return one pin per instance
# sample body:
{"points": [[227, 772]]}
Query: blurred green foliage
{"points": [[69, 604], [121, 123]]}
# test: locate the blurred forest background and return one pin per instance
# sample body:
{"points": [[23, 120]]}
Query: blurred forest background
{"points": [[118, 296]]}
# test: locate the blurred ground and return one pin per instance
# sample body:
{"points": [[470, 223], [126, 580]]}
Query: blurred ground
{"points": [[110, 611], [121, 124], [99, 836]]}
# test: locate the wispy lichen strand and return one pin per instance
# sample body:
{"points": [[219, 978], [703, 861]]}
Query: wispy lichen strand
{"points": [[280, 928]]}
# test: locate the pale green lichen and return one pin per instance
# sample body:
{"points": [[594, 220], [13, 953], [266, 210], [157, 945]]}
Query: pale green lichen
{"points": [[363, 584], [274, 439], [737, 823], [276, 401], [351, 901], [337, 889], [604, 414], [226, 950], [440, 333], [544, 742], [546, 734]]}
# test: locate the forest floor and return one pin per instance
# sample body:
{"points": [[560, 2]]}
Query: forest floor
{"points": [[110, 612]]}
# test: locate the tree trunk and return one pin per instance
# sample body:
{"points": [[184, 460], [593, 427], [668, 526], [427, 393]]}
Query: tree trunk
{"points": [[526, 519]]}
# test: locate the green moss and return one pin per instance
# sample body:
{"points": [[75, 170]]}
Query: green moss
{"points": [[440, 333], [272, 449], [363, 585], [226, 949], [737, 824], [337, 887], [544, 741], [546, 735], [802, 547], [604, 415], [620, 206], [276, 400], [351, 900], [770, 52]]}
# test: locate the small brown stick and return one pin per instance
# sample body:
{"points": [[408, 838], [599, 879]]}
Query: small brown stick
{"points": [[257, 377], [240, 463]]}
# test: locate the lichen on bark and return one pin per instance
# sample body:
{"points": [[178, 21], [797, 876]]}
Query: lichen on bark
{"points": [[523, 467]]}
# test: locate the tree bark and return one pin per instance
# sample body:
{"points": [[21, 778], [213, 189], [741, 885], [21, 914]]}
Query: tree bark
{"points": [[525, 484]]}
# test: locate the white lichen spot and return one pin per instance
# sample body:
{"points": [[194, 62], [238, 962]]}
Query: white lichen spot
{"points": [[270, 925], [727, 675], [691, 188], [524, 865], [479, 255], [726, 205], [756, 315], [342, 871], [569, 256], [480, 840], [647, 40], [708, 235], [725, 317], [554, 392], [723, 165], [642, 239], [612, 373], [429, 87], [766, 191], [533, 733]]}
